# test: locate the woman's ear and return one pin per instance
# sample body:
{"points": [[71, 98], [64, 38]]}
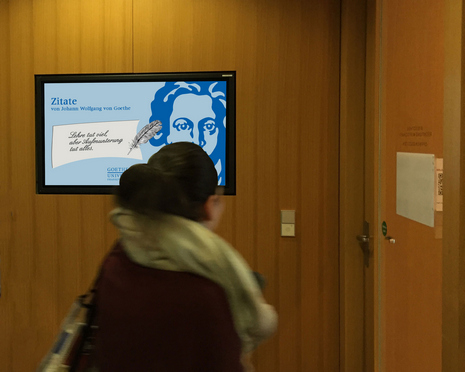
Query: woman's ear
{"points": [[213, 209]]}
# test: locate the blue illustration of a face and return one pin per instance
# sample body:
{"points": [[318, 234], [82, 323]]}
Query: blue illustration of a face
{"points": [[193, 112], [193, 120]]}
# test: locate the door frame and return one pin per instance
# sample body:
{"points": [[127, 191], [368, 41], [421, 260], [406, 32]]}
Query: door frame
{"points": [[357, 190], [453, 286]]}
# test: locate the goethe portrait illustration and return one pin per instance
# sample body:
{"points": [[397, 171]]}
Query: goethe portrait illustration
{"points": [[192, 112]]}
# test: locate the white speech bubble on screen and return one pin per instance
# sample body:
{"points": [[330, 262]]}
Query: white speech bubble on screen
{"points": [[73, 142]]}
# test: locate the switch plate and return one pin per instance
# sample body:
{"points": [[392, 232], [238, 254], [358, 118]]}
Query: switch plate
{"points": [[287, 229], [288, 216], [287, 223]]}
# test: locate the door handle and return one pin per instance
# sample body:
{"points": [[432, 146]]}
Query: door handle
{"points": [[364, 242], [363, 238], [390, 239]]}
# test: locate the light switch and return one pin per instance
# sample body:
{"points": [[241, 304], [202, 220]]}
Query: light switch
{"points": [[287, 229], [287, 223], [288, 217]]}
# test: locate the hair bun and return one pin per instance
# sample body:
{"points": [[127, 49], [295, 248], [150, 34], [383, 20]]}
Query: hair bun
{"points": [[147, 190]]}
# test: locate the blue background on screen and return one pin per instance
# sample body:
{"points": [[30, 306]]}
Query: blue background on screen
{"points": [[138, 96]]}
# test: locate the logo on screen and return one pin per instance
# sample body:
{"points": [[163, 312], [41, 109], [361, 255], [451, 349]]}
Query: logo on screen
{"points": [[114, 173]]}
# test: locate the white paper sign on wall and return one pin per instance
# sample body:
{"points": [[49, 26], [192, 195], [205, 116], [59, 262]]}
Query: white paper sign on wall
{"points": [[415, 187]]}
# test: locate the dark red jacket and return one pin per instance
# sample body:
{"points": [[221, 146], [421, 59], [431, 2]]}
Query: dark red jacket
{"points": [[163, 321]]}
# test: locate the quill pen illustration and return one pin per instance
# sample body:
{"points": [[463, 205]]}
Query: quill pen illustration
{"points": [[145, 134]]}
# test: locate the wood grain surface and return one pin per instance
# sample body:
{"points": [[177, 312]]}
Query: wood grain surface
{"points": [[286, 54]]}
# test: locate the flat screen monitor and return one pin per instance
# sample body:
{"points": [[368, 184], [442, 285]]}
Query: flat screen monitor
{"points": [[91, 127]]}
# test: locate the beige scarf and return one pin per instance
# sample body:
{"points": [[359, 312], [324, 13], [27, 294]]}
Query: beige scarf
{"points": [[178, 244]]}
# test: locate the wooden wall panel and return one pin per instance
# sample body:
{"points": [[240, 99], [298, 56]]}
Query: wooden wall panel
{"points": [[83, 36], [246, 55], [5, 185], [267, 173], [20, 281], [319, 203], [286, 54], [51, 245], [289, 187]]}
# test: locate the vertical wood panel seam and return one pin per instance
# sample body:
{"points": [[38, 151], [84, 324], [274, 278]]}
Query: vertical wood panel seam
{"points": [[132, 36], [339, 186], [6, 259]]}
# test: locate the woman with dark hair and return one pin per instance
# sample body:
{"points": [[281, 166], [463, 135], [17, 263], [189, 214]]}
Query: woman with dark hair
{"points": [[173, 296]]}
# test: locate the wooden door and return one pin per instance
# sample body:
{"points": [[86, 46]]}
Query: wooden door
{"points": [[404, 77], [399, 294], [411, 73]]}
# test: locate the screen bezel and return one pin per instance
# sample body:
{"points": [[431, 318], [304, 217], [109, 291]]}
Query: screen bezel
{"points": [[41, 80]]}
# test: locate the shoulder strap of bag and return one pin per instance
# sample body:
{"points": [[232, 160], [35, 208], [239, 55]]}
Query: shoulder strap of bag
{"points": [[83, 355]]}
